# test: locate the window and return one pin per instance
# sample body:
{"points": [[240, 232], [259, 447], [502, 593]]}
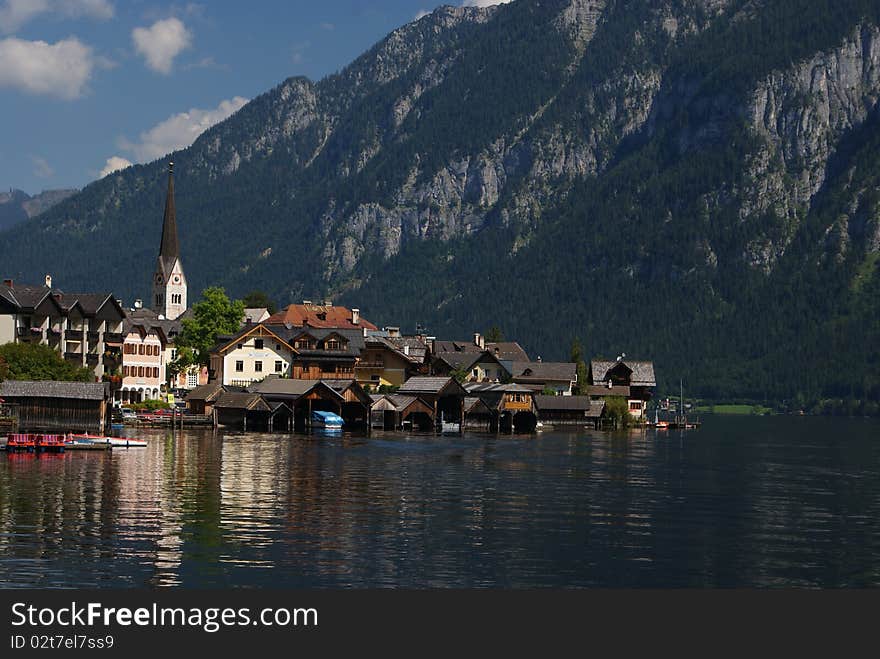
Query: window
{"points": [[258, 344], [155, 371], [374, 378], [174, 353], [332, 344], [240, 346], [635, 405], [140, 371], [277, 346], [125, 371], [158, 300], [192, 378], [278, 366], [476, 372], [258, 366], [239, 366], [141, 349]]}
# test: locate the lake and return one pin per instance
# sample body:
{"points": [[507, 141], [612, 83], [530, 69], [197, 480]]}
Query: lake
{"points": [[741, 502]]}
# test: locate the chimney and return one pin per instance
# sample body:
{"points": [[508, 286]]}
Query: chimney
{"points": [[328, 303], [429, 341], [307, 302], [355, 316], [7, 282], [539, 359], [393, 332], [48, 281], [406, 350], [138, 303], [479, 341]]}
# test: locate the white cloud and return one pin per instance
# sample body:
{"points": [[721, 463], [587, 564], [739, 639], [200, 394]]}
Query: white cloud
{"points": [[162, 42], [42, 169], [179, 131], [61, 69], [483, 3], [15, 13], [114, 164]]}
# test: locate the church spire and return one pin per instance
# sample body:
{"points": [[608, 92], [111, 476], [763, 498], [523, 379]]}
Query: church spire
{"points": [[169, 250]]}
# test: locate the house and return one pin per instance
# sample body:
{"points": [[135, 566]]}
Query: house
{"points": [[509, 351], [143, 362], [636, 376], [84, 328], [390, 360], [443, 395], [569, 410], [320, 316], [510, 407], [474, 366], [250, 355], [49, 406], [325, 353], [540, 376]]}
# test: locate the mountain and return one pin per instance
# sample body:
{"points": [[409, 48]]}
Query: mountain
{"points": [[691, 181], [17, 206]]}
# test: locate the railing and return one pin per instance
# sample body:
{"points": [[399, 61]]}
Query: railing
{"points": [[54, 332], [91, 359], [370, 365], [73, 356], [114, 337], [73, 335], [93, 336]]}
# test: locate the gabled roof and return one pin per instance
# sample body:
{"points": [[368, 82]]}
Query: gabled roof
{"points": [[242, 401], [318, 315], [432, 385], [544, 371], [260, 328], [503, 350], [287, 388], [398, 346], [255, 314], [475, 405], [206, 392], [53, 389], [642, 371]]}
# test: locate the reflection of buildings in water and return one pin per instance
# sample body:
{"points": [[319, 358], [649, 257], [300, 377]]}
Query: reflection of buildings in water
{"points": [[252, 493], [148, 518]]}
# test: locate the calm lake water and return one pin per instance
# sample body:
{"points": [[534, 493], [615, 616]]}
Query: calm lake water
{"points": [[773, 501]]}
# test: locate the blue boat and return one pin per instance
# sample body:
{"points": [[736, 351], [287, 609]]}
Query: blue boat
{"points": [[326, 420]]}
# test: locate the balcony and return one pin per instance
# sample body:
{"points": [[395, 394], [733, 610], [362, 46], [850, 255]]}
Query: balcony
{"points": [[27, 333], [93, 336], [92, 359], [73, 357], [54, 333], [73, 335], [112, 337], [370, 364]]}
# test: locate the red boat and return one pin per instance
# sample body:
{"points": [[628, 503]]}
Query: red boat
{"points": [[17, 442]]}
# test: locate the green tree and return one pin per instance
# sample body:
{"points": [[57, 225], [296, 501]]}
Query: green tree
{"points": [[4, 369], [213, 316], [259, 300], [185, 359], [32, 361], [494, 335], [617, 409]]}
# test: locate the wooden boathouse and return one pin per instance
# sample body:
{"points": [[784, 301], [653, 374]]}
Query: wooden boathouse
{"points": [[51, 406], [302, 396], [444, 396], [569, 410], [397, 412], [502, 407]]}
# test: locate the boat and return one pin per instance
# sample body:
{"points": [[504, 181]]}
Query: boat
{"points": [[85, 445], [112, 442], [327, 420]]}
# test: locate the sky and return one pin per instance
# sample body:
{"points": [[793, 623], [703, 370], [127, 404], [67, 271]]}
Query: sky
{"points": [[90, 86]]}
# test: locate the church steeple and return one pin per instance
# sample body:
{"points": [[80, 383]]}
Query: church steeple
{"points": [[169, 282], [169, 248]]}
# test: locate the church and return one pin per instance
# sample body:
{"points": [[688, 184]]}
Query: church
{"points": [[150, 330]]}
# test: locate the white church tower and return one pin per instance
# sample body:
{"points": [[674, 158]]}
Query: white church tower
{"points": [[169, 282]]}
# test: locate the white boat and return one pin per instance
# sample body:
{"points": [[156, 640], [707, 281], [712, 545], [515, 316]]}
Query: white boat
{"points": [[113, 442]]}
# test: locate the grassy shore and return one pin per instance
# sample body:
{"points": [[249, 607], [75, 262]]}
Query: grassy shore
{"points": [[734, 409]]}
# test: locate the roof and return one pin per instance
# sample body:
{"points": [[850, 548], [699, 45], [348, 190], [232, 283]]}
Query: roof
{"points": [[428, 385], [504, 350], [149, 320], [28, 297], [510, 388], [318, 315], [242, 401], [475, 405], [255, 314], [206, 392], [275, 386], [602, 390], [591, 408], [400, 346], [642, 371], [544, 371], [169, 250], [53, 389]]}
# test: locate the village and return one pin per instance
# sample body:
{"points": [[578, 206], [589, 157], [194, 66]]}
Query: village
{"points": [[309, 364]]}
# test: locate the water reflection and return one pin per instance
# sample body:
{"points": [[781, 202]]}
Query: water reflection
{"points": [[745, 502]]}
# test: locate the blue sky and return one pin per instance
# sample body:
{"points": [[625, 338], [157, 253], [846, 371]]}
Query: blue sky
{"points": [[89, 85]]}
